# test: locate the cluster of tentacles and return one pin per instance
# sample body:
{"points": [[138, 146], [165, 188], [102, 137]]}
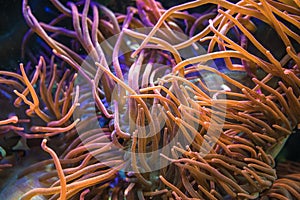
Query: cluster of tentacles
{"points": [[196, 106]]}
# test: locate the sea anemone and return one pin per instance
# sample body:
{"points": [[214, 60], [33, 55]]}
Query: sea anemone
{"points": [[197, 106]]}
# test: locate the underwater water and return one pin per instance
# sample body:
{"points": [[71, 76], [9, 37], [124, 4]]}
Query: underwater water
{"points": [[117, 100]]}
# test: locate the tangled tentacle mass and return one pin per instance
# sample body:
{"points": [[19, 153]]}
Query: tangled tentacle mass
{"points": [[191, 102]]}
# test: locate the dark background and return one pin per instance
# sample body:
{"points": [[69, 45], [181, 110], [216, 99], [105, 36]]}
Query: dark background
{"points": [[12, 29]]}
